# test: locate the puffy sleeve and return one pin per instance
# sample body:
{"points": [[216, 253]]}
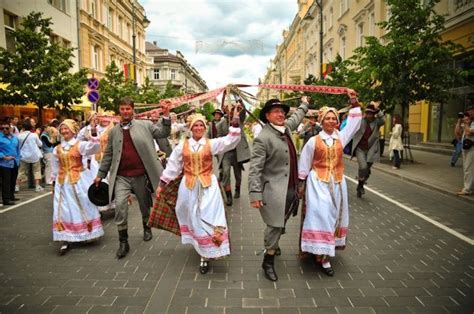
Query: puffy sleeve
{"points": [[174, 166], [226, 143], [89, 147], [306, 159], [54, 164], [354, 119]]}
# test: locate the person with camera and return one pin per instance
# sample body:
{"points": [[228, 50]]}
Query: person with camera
{"points": [[457, 142], [465, 128]]}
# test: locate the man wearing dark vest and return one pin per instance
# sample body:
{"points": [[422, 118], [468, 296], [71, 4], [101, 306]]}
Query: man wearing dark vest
{"points": [[131, 158], [365, 145], [273, 174]]}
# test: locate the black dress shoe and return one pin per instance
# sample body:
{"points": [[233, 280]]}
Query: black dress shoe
{"points": [[147, 235], [328, 271], [278, 252], [237, 194], [204, 267], [63, 248], [123, 250], [7, 203]]}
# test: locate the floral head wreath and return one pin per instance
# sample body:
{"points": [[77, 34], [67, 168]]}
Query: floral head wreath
{"points": [[192, 119]]}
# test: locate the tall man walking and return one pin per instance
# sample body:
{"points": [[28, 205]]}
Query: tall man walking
{"points": [[234, 158], [273, 176], [365, 145], [131, 158]]}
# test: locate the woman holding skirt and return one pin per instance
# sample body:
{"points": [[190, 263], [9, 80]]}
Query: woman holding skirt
{"points": [[199, 206], [321, 164], [75, 218]]}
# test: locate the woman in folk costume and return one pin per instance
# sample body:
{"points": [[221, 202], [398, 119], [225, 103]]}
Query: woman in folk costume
{"points": [[75, 218], [199, 206], [321, 165]]}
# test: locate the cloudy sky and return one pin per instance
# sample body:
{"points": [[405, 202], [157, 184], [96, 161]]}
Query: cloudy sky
{"points": [[227, 41]]}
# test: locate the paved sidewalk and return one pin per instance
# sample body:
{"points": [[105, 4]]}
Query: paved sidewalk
{"points": [[430, 170]]}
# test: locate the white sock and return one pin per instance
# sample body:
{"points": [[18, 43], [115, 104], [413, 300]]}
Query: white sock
{"points": [[326, 265]]}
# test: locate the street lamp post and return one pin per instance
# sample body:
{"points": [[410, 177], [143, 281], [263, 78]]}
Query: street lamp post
{"points": [[145, 24], [320, 5]]}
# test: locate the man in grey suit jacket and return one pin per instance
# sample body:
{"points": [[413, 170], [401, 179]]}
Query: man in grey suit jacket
{"points": [[131, 158], [234, 158], [273, 174], [365, 145]]}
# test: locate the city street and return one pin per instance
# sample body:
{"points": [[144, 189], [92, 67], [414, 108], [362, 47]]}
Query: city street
{"points": [[396, 262]]}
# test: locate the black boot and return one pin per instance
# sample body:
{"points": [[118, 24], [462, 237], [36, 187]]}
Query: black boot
{"points": [[237, 192], [269, 268], [147, 235], [228, 195], [124, 247], [360, 189]]}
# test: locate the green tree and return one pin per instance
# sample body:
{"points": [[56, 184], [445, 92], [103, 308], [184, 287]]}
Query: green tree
{"points": [[414, 64], [38, 70], [114, 86]]}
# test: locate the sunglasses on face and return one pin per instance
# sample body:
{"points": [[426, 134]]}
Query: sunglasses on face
{"points": [[4, 127]]}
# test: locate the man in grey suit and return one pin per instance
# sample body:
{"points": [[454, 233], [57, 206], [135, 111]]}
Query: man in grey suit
{"points": [[273, 174], [131, 158], [365, 145], [234, 158]]}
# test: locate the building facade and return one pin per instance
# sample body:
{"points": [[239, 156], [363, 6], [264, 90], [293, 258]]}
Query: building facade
{"points": [[345, 24], [164, 67], [107, 32], [63, 16]]}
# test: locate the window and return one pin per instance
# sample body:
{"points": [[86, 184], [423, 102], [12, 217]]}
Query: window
{"points": [[110, 22], [360, 35], [120, 27], [94, 8], [96, 57], [330, 18], [10, 27], [105, 13], [156, 74], [61, 5], [371, 24], [173, 74], [342, 51], [344, 6], [128, 34]]}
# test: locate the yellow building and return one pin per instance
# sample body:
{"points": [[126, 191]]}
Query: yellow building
{"points": [[345, 24], [107, 33]]}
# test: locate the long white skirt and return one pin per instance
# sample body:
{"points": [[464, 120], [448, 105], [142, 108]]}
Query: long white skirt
{"points": [[80, 222], [196, 221], [322, 216]]}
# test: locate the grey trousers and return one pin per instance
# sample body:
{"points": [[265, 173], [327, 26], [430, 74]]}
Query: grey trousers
{"points": [[364, 166], [271, 237], [230, 160], [468, 167], [124, 186]]}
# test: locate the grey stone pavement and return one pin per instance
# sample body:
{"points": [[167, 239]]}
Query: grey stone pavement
{"points": [[395, 262]]}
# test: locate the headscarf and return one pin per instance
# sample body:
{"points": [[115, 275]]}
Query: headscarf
{"points": [[192, 119], [324, 111], [71, 125]]}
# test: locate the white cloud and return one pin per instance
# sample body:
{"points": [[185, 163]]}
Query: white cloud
{"points": [[227, 41]]}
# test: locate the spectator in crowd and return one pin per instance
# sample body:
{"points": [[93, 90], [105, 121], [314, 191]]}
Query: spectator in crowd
{"points": [[49, 137], [9, 160], [466, 129], [30, 154], [457, 142], [395, 147]]}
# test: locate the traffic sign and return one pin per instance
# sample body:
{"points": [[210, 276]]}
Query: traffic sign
{"points": [[93, 83], [93, 96]]}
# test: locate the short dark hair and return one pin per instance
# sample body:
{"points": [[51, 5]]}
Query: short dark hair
{"points": [[126, 101], [26, 124]]}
